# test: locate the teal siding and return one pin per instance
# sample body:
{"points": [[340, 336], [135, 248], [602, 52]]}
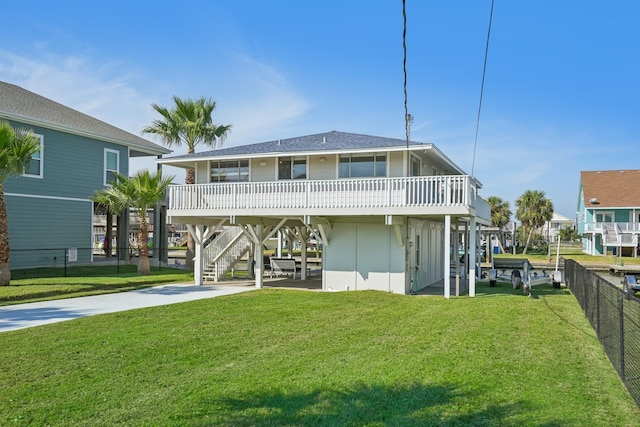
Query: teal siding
{"points": [[41, 229], [622, 215], [57, 214], [73, 166]]}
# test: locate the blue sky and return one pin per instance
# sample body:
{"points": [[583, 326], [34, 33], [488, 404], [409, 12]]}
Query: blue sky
{"points": [[561, 92]]}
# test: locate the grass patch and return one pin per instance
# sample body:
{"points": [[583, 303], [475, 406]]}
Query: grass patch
{"points": [[41, 284], [296, 358], [577, 256]]}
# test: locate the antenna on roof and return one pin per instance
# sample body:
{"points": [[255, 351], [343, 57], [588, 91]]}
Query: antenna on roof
{"points": [[409, 120]]}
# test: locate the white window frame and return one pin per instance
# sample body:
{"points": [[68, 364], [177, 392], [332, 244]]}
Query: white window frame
{"points": [[41, 159], [602, 215], [242, 176], [375, 156], [107, 151], [293, 160]]}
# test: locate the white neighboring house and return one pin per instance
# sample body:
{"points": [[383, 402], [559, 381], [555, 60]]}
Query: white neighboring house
{"points": [[385, 210], [551, 229]]}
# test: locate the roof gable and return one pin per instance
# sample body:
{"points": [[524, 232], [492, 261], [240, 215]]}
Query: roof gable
{"points": [[613, 188], [23, 106]]}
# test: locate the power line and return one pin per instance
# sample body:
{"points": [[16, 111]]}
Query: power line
{"points": [[484, 71], [407, 118]]}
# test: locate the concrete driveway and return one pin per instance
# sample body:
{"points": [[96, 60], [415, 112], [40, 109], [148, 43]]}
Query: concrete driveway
{"points": [[22, 316]]}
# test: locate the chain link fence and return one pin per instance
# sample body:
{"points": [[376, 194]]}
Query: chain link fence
{"points": [[62, 258], [615, 316]]}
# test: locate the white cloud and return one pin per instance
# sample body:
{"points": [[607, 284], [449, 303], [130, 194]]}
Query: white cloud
{"points": [[257, 100]]}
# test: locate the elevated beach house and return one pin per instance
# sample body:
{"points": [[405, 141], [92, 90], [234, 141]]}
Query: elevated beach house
{"points": [[49, 206], [609, 212], [386, 212]]}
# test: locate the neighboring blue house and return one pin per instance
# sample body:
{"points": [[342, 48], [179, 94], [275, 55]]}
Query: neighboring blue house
{"points": [[609, 212], [49, 208], [387, 212]]}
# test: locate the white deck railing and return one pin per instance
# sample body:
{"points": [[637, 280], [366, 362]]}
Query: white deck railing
{"points": [[612, 227], [422, 191]]}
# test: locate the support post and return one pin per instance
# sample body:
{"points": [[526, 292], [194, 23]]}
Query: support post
{"points": [[304, 234], [456, 257], [472, 257], [447, 256], [259, 257], [198, 262]]}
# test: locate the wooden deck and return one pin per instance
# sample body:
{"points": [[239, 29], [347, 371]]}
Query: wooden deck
{"points": [[624, 269]]}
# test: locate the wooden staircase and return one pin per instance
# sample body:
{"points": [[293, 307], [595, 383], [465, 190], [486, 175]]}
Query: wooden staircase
{"points": [[224, 252]]}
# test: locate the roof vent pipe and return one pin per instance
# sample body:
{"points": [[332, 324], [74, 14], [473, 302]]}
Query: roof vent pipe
{"points": [[278, 142], [324, 139]]}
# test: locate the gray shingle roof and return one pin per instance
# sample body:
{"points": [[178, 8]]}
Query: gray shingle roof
{"points": [[23, 106], [328, 141]]}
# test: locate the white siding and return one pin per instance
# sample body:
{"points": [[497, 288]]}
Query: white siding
{"points": [[322, 169], [396, 164], [202, 173], [364, 256], [263, 170]]}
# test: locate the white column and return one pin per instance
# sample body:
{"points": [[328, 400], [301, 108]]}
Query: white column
{"points": [[456, 257], [447, 256], [472, 257], [198, 262], [304, 238], [259, 256], [279, 249]]}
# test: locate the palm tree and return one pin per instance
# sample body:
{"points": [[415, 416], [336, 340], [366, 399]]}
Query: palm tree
{"points": [[188, 122], [17, 146], [141, 192], [534, 209], [500, 215]]}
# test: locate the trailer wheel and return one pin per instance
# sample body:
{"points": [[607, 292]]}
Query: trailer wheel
{"points": [[517, 282], [516, 279]]}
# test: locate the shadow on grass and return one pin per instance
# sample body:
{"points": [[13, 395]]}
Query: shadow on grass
{"points": [[11, 317], [363, 405], [484, 290], [74, 291]]}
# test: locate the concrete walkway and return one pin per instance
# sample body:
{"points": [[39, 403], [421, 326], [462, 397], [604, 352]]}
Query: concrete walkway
{"points": [[22, 316]]}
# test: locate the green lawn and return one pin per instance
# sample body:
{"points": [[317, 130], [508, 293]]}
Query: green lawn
{"points": [[41, 284], [298, 358], [576, 255]]}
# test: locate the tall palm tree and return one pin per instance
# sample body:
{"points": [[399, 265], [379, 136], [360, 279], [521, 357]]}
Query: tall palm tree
{"points": [[17, 146], [141, 192], [500, 215], [189, 122], [534, 209]]}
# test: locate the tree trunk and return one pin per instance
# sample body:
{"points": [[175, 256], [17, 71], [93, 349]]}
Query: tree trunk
{"points": [[143, 247], [5, 272], [190, 179], [526, 245], [500, 237]]}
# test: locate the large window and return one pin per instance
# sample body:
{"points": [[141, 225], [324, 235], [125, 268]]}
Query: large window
{"points": [[360, 166], [111, 165], [35, 167], [230, 171], [292, 168]]}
